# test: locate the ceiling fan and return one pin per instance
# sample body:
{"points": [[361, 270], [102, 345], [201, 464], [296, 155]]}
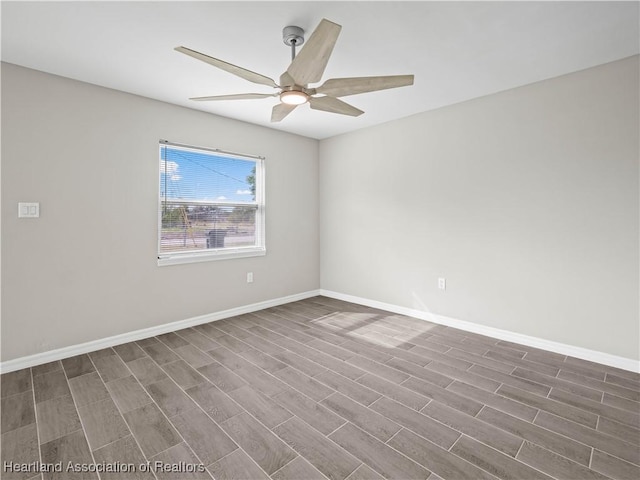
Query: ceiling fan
{"points": [[307, 67]]}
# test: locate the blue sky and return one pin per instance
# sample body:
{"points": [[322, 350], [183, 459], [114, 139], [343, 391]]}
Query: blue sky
{"points": [[204, 176]]}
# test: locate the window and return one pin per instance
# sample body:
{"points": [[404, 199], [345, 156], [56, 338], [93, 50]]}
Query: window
{"points": [[211, 205]]}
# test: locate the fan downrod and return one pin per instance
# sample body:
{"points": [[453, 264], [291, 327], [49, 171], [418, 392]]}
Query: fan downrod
{"points": [[294, 37]]}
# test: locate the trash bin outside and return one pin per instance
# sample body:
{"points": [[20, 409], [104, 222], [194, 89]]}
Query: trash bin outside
{"points": [[215, 238]]}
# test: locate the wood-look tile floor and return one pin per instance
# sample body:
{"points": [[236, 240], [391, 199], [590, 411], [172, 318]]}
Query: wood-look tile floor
{"points": [[318, 389]]}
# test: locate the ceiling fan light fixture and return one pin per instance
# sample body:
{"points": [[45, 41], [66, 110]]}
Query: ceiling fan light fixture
{"points": [[294, 97]]}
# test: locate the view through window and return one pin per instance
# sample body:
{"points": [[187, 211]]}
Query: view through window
{"points": [[211, 204]]}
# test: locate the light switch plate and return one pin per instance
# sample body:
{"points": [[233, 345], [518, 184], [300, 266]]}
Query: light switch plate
{"points": [[28, 210]]}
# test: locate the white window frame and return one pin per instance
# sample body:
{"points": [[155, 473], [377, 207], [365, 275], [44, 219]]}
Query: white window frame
{"points": [[211, 254]]}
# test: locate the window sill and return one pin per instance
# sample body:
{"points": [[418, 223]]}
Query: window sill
{"points": [[213, 255]]}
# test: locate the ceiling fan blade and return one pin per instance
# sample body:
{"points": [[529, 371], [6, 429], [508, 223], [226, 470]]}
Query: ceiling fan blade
{"points": [[280, 111], [229, 67], [333, 105], [237, 96], [341, 87], [309, 64]]}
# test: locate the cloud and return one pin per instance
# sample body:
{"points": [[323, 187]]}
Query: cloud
{"points": [[221, 197], [170, 169], [243, 192]]}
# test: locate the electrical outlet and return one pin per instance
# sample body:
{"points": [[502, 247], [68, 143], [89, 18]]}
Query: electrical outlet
{"points": [[442, 283], [250, 277]]}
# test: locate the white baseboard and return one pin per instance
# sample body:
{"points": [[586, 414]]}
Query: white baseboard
{"points": [[72, 350], [557, 347]]}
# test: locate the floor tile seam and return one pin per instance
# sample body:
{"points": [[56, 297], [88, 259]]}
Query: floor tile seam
{"points": [[597, 433], [329, 395], [576, 370], [195, 332], [231, 453], [313, 327], [388, 446], [400, 427], [591, 456], [304, 344], [395, 434], [636, 402], [292, 460], [409, 330], [475, 417], [458, 336], [563, 457], [635, 464], [592, 447], [33, 375], [152, 401], [407, 427], [595, 380], [75, 404], [116, 405], [526, 367], [384, 365], [231, 438], [555, 401], [606, 407], [460, 346], [427, 348], [274, 311], [361, 464], [268, 373], [205, 352], [497, 388], [284, 337], [549, 364], [327, 368], [219, 424], [443, 388], [168, 419], [274, 434], [597, 367], [176, 361], [293, 415], [515, 458], [127, 362], [620, 438], [350, 398], [35, 416], [503, 398], [172, 446], [425, 438], [471, 373], [269, 321], [475, 363], [335, 429], [507, 351], [636, 387], [19, 393], [520, 447], [525, 380], [561, 382], [363, 337]]}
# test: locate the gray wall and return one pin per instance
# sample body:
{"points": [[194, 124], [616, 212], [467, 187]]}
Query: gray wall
{"points": [[525, 201], [87, 268]]}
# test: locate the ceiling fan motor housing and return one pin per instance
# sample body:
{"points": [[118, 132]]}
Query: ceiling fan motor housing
{"points": [[293, 36], [305, 69]]}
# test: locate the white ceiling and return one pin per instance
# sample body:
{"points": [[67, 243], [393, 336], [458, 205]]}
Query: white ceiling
{"points": [[457, 50]]}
